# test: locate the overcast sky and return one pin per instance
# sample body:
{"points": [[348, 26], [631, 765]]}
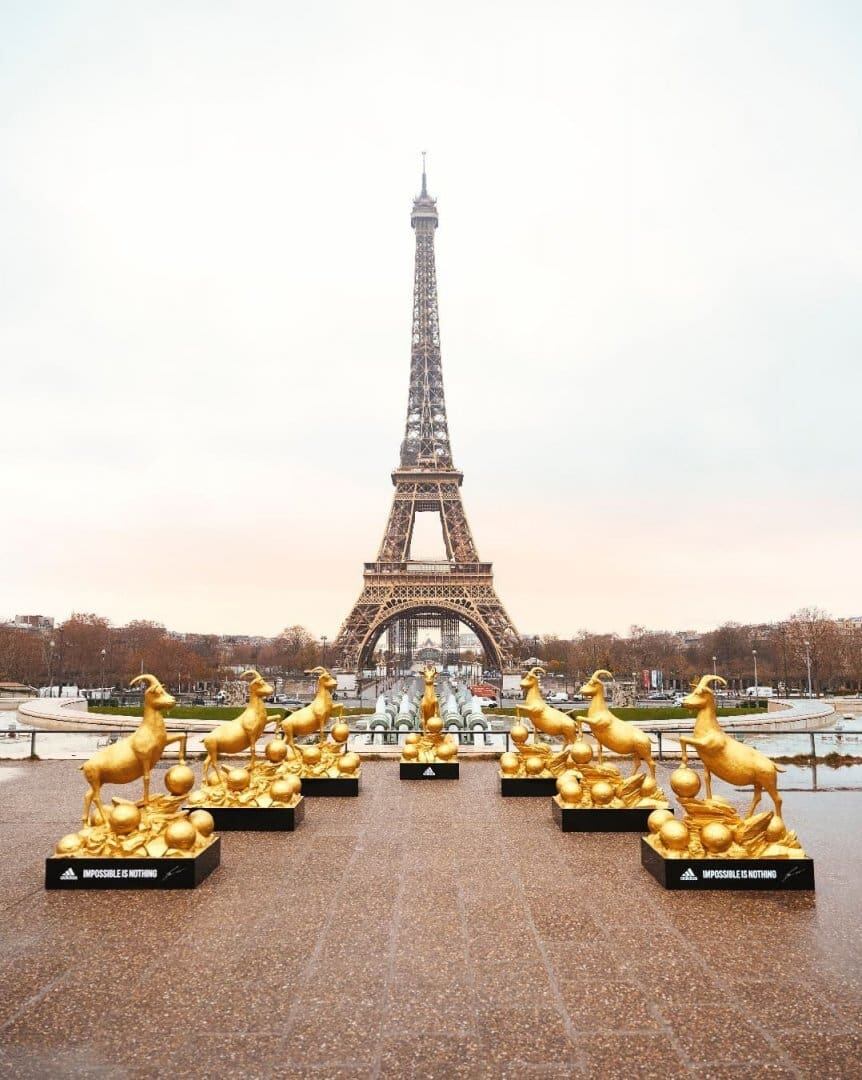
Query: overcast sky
{"points": [[649, 263]]}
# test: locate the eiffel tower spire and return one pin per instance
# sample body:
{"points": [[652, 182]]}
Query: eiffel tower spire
{"points": [[403, 593]]}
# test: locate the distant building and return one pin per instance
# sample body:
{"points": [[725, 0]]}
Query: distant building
{"points": [[36, 623]]}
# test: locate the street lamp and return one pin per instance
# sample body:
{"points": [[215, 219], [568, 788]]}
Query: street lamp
{"points": [[808, 664], [53, 645], [714, 668], [102, 687], [754, 654], [323, 640]]}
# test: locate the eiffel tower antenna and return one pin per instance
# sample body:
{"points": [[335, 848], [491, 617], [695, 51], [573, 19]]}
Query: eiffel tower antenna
{"points": [[401, 594]]}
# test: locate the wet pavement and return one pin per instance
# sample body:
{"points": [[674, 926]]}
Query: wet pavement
{"points": [[425, 929]]}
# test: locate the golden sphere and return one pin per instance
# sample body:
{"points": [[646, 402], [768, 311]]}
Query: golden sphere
{"points": [[685, 782], [509, 764], [519, 734], [581, 752], [648, 786], [281, 791], [674, 835], [276, 751], [601, 793], [413, 737], [68, 844], [569, 789], [534, 765], [447, 750], [716, 837], [203, 821], [181, 834], [238, 779], [213, 778], [124, 818], [775, 830], [340, 732], [434, 725], [310, 754], [410, 751], [657, 818], [569, 774], [348, 763], [179, 780]]}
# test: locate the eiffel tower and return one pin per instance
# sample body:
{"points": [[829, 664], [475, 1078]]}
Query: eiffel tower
{"points": [[399, 594]]}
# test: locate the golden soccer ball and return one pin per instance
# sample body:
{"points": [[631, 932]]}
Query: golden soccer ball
{"points": [[685, 782], [311, 754], [203, 822], [715, 836], [294, 783], [674, 835], [601, 793], [181, 834], [509, 764], [68, 844], [125, 817], [569, 774], [534, 765], [348, 763], [776, 830], [340, 732], [519, 734], [238, 779], [447, 750], [413, 737], [657, 818], [581, 752], [410, 751], [179, 780], [569, 789], [281, 791], [434, 725], [276, 751], [648, 786]]}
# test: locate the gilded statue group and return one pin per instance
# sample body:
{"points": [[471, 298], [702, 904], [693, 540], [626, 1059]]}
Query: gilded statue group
{"points": [[175, 824]]}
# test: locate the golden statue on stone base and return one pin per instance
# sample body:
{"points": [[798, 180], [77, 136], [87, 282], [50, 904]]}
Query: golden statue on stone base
{"points": [[431, 754], [714, 846], [149, 836], [230, 794], [326, 767], [533, 767], [625, 803]]}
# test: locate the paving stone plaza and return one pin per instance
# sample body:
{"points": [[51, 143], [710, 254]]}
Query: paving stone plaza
{"points": [[426, 930]]}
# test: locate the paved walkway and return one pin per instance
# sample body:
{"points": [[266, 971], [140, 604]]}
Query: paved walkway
{"points": [[425, 930]]}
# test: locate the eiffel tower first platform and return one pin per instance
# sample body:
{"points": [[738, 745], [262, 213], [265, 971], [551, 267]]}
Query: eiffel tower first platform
{"points": [[398, 593]]}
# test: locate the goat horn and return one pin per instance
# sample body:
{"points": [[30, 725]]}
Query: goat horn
{"points": [[707, 679], [252, 672], [153, 681], [602, 671], [537, 671]]}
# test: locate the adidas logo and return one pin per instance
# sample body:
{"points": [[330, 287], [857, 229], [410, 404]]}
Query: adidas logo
{"points": [[69, 875], [688, 875], [429, 772]]}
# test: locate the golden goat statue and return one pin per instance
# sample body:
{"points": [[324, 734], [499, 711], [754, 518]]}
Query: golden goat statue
{"points": [[242, 733], [135, 755], [314, 716], [544, 717], [725, 756], [609, 731]]}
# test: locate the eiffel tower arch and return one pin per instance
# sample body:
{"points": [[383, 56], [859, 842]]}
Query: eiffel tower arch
{"points": [[396, 588]]}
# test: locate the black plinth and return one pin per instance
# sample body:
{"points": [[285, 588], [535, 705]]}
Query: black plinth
{"points": [[737, 874], [436, 770], [599, 819], [528, 785], [330, 785], [255, 818], [65, 873]]}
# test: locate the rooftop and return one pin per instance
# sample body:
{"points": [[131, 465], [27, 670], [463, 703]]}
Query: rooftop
{"points": [[425, 930]]}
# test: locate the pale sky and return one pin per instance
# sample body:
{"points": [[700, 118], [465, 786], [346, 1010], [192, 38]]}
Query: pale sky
{"points": [[649, 262]]}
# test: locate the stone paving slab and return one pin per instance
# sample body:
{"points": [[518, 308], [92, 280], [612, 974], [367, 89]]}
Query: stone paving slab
{"points": [[425, 930]]}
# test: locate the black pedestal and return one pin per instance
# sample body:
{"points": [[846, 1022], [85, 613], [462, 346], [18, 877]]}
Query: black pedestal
{"points": [[435, 770], [65, 873], [736, 874], [598, 819], [255, 818], [330, 785], [528, 785]]}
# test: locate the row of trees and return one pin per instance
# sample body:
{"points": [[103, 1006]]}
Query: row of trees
{"points": [[88, 651], [784, 653]]}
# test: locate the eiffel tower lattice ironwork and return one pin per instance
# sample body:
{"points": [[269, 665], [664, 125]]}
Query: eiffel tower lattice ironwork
{"points": [[395, 587]]}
